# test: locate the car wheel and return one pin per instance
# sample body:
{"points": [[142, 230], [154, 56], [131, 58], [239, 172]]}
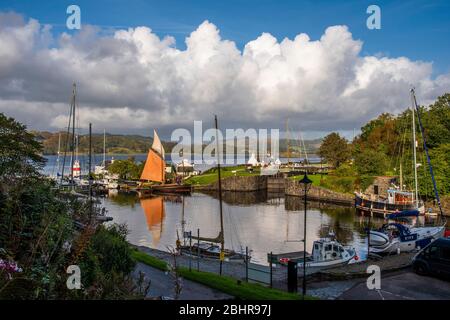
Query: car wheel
{"points": [[420, 269]]}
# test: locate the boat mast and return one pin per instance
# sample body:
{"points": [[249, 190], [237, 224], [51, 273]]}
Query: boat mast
{"points": [[416, 192], [288, 142], [104, 147], [222, 240], [436, 193], [59, 152], [73, 134], [401, 176], [90, 166]]}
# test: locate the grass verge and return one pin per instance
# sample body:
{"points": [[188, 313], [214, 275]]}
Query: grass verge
{"points": [[210, 176], [236, 288]]}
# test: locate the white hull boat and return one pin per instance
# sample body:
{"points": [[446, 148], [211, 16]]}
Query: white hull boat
{"points": [[395, 237], [327, 253]]}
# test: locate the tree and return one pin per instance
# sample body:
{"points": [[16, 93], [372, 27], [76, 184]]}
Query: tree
{"points": [[19, 151], [126, 169], [334, 149], [37, 231], [370, 162]]}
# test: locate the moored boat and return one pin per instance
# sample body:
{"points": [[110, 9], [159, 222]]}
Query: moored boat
{"points": [[327, 253], [396, 201], [395, 237]]}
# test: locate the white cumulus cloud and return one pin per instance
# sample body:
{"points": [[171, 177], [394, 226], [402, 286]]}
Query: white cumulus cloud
{"points": [[133, 80]]}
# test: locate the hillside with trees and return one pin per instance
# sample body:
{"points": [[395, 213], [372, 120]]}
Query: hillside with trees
{"points": [[115, 144], [385, 144]]}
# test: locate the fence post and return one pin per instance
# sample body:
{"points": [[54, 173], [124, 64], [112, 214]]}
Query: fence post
{"points": [[246, 264], [190, 252], [198, 249], [271, 273]]}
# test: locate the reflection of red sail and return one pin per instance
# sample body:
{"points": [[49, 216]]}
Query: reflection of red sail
{"points": [[154, 214]]}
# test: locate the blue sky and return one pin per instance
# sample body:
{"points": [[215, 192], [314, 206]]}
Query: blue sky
{"points": [[417, 29], [323, 83]]}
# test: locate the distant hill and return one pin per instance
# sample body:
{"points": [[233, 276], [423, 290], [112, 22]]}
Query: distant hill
{"points": [[132, 144], [125, 144]]}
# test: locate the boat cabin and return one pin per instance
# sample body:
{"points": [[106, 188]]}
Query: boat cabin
{"points": [[400, 197], [326, 249]]}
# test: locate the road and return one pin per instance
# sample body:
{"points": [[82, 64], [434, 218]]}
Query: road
{"points": [[404, 285], [162, 284]]}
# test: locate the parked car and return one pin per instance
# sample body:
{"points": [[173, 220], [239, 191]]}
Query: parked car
{"points": [[434, 259]]}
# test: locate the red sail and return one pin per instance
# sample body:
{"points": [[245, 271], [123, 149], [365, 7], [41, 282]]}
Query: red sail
{"points": [[154, 167]]}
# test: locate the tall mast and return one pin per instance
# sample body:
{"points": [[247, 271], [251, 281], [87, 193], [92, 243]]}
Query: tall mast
{"points": [[401, 176], [222, 240], [90, 165], [304, 148], [288, 138], [416, 192], [436, 193], [59, 153], [73, 133], [104, 147]]}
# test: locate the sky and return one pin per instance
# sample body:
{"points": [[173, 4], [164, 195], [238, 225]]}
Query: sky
{"points": [[141, 65]]}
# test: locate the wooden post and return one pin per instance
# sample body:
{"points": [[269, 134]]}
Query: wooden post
{"points": [[246, 264], [368, 236], [190, 251]]}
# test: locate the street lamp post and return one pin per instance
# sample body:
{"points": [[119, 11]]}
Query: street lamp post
{"points": [[306, 184]]}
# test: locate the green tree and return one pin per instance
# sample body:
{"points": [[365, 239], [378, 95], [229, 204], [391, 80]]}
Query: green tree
{"points": [[126, 169], [370, 162], [335, 149], [19, 151]]}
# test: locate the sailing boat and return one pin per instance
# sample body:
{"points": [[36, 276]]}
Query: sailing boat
{"points": [[394, 237], [153, 176], [399, 202], [208, 247]]}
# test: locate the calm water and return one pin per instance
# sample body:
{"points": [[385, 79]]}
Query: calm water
{"points": [[261, 222]]}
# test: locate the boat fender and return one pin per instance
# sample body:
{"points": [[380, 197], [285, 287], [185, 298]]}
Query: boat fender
{"points": [[356, 258]]}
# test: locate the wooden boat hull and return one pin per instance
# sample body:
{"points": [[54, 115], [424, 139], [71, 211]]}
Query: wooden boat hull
{"points": [[172, 188], [382, 207], [165, 189], [230, 255]]}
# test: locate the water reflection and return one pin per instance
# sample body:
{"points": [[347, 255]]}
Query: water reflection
{"points": [[262, 222], [154, 214]]}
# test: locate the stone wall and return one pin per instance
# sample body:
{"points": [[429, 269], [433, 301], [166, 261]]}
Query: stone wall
{"points": [[383, 184], [235, 183], [445, 204], [293, 188]]}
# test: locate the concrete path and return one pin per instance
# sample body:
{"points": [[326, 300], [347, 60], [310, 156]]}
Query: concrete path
{"points": [[405, 285], [162, 284]]}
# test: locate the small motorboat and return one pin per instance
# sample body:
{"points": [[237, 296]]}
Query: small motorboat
{"points": [[395, 237], [327, 253]]}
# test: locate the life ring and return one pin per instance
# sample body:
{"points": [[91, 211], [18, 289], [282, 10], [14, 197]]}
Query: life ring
{"points": [[284, 260]]}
